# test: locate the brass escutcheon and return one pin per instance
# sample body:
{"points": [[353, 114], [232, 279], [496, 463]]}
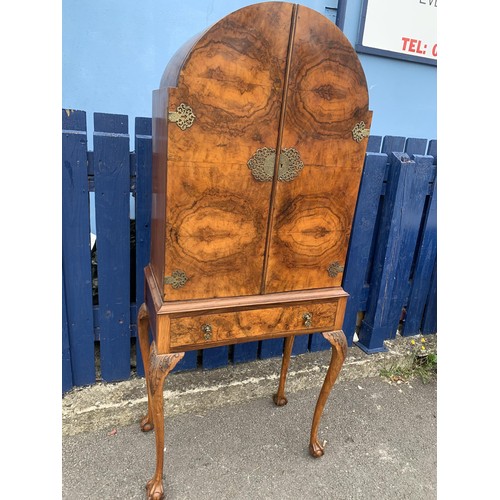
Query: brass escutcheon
{"points": [[207, 331], [261, 164], [183, 117], [307, 317], [177, 280]]}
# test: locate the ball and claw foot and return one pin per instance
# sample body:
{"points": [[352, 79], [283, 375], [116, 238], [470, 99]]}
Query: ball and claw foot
{"points": [[154, 489], [146, 425], [280, 400], [316, 450]]}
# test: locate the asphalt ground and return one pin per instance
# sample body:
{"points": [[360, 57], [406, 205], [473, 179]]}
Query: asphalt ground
{"points": [[225, 438], [380, 444]]}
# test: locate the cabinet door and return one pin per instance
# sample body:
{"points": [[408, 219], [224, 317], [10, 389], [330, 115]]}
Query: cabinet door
{"points": [[312, 213], [216, 212]]}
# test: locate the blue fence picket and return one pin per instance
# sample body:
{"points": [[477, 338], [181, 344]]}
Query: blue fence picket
{"points": [[393, 144], [245, 352], [215, 357], [67, 373], [429, 323], [415, 146], [300, 344], [271, 348], [374, 144], [318, 343], [391, 260], [355, 273], [432, 149], [144, 158], [407, 188], [188, 362], [76, 246], [112, 207], [422, 272]]}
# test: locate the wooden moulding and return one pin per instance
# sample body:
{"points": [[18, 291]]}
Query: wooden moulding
{"points": [[161, 312]]}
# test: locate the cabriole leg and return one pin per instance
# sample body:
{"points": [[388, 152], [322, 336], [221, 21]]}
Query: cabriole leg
{"points": [[143, 334], [339, 351], [160, 365], [279, 398]]}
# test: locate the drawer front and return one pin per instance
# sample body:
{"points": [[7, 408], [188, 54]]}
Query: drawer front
{"points": [[232, 327]]}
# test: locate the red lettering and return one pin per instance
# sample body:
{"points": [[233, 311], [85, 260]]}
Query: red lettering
{"points": [[435, 50], [405, 42], [413, 45]]}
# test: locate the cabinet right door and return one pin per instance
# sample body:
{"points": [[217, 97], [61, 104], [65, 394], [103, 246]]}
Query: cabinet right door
{"points": [[314, 204]]}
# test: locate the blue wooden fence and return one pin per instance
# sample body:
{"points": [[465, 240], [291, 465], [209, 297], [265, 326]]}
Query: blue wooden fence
{"points": [[390, 271]]}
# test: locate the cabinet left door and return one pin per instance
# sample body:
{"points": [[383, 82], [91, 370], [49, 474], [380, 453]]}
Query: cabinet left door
{"points": [[216, 211]]}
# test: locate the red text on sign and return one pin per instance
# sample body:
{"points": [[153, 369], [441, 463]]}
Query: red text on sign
{"points": [[414, 46]]}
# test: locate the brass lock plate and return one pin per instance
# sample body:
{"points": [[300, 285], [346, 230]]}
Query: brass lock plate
{"points": [[261, 164]]}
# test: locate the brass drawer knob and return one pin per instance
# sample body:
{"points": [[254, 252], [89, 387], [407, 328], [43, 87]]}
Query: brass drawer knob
{"points": [[207, 331], [307, 317]]}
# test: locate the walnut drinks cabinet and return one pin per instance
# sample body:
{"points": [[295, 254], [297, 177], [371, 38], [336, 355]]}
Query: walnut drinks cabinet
{"points": [[260, 127]]}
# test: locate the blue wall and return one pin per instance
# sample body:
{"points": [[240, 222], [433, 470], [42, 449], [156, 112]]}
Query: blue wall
{"points": [[115, 51]]}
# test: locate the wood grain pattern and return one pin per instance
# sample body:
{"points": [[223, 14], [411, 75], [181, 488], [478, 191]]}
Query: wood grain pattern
{"points": [[160, 365], [215, 220], [159, 179], [255, 251], [339, 351], [312, 218], [216, 212], [275, 321], [279, 398]]}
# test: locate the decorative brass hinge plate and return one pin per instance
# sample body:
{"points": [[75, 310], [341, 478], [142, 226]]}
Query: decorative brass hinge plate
{"points": [[359, 132], [334, 269], [183, 117], [261, 164], [177, 280]]}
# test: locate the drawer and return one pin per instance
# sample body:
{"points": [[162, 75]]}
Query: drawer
{"points": [[232, 327]]}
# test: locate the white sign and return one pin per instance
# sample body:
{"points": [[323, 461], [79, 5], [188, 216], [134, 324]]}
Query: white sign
{"points": [[405, 27]]}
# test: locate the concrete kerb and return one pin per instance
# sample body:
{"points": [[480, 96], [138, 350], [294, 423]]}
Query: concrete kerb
{"points": [[108, 405]]}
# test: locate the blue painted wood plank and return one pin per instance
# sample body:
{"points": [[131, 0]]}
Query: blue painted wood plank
{"points": [[318, 343], [76, 246], [373, 146], [429, 323], [423, 270], [393, 144], [407, 189], [432, 150], [245, 352], [67, 373], [271, 348], [415, 146], [361, 241], [112, 207], [144, 157], [188, 362], [215, 357], [300, 344]]}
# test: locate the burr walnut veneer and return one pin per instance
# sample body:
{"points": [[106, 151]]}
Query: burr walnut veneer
{"points": [[259, 137]]}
